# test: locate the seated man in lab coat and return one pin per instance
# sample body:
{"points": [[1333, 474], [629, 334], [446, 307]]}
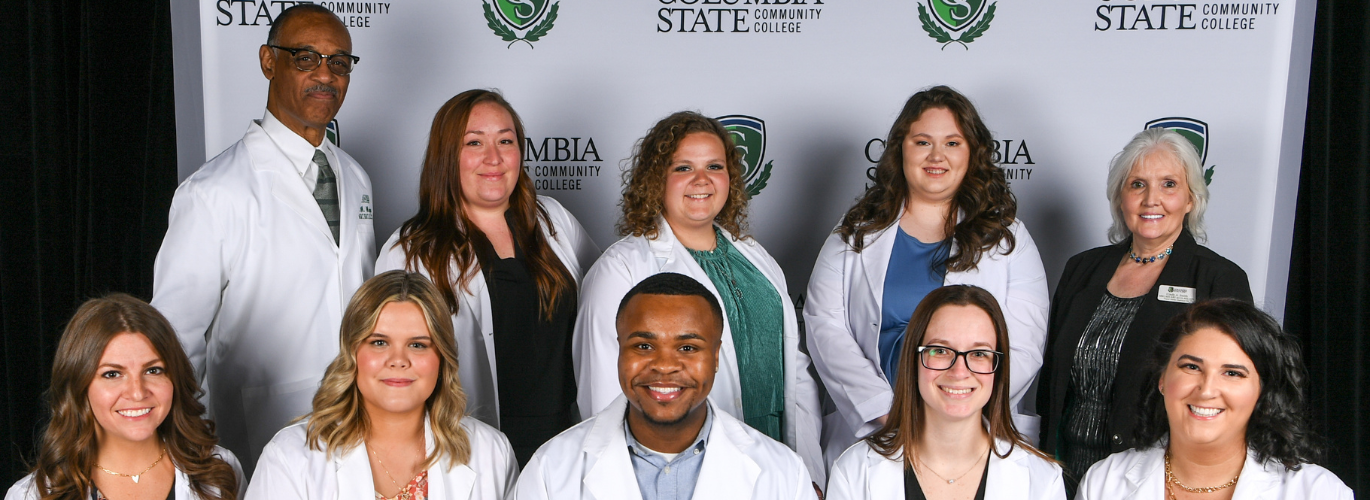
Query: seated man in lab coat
{"points": [[662, 440], [267, 242]]}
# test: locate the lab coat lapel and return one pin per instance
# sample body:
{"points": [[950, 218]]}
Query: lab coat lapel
{"points": [[1146, 478], [1007, 476], [726, 471], [1257, 481], [354, 475], [611, 476], [886, 476], [286, 185]]}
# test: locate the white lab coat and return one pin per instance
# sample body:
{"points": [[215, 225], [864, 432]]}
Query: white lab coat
{"points": [[289, 470], [24, 489], [842, 314], [590, 461], [474, 324], [250, 278], [633, 259], [1140, 474], [864, 474]]}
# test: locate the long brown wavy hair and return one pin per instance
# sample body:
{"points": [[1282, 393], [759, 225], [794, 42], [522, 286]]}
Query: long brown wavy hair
{"points": [[984, 196], [439, 238], [339, 421], [644, 182], [66, 454], [904, 428]]}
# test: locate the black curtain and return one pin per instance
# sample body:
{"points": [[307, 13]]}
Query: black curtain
{"points": [[87, 170], [1328, 304]]}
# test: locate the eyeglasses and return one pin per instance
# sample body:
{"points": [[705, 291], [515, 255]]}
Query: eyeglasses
{"points": [[982, 361], [309, 60]]}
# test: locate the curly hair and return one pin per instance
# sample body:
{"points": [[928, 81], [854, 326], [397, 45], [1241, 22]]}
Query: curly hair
{"points": [[905, 426], [439, 238], [69, 446], [339, 421], [1278, 429], [644, 182], [984, 198]]}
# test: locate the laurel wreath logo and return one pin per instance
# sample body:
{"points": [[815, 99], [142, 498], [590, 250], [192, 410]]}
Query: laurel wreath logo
{"points": [[944, 38], [507, 33], [757, 185]]}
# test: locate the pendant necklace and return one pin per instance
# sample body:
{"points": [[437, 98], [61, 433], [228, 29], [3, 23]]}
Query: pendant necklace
{"points": [[135, 477], [952, 480]]}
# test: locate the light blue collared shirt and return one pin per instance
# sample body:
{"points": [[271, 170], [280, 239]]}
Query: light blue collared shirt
{"points": [[659, 479]]}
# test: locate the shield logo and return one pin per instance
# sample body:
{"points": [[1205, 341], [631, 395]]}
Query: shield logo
{"points": [[749, 136], [330, 132], [1194, 130], [955, 15], [520, 13]]}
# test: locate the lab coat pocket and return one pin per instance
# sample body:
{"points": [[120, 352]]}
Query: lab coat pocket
{"points": [[268, 409]]}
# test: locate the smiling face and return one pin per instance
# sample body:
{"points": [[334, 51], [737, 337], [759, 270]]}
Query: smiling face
{"points": [[696, 182], [397, 365], [1156, 198], [1210, 388], [131, 393], [490, 158], [667, 357], [936, 156], [956, 393], [304, 100]]}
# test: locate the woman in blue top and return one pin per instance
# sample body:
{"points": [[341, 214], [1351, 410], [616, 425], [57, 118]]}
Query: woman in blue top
{"points": [[939, 212]]}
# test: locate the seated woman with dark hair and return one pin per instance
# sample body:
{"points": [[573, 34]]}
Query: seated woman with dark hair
{"points": [[950, 433], [125, 419], [389, 418], [1222, 416]]}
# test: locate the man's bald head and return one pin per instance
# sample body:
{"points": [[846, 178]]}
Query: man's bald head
{"points": [[273, 37]]}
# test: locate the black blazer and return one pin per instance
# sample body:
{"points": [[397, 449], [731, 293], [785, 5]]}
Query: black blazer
{"points": [[1082, 287]]}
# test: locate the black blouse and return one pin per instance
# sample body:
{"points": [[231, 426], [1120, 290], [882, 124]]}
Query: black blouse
{"points": [[914, 491], [537, 388]]}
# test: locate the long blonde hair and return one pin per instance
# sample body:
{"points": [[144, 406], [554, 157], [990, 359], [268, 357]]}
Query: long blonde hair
{"points": [[339, 421]]}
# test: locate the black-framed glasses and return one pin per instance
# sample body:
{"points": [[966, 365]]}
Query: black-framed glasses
{"points": [[309, 60], [982, 361]]}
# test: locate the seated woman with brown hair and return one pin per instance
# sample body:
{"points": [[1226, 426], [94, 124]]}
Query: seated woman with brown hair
{"points": [[125, 419], [389, 418]]}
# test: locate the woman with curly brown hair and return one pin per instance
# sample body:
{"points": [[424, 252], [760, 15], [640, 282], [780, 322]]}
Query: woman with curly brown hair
{"points": [[939, 213], [125, 419], [508, 263], [684, 211]]}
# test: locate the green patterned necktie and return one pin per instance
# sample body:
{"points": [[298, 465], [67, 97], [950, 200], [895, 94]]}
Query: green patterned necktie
{"points": [[326, 192]]}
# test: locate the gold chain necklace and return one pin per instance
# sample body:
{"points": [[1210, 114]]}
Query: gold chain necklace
{"points": [[1170, 479], [403, 492], [134, 477], [953, 480]]}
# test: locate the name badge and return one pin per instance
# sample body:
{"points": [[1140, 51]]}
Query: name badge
{"points": [[1171, 293]]}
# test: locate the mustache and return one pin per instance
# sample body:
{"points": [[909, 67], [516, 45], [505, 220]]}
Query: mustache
{"points": [[322, 88]]}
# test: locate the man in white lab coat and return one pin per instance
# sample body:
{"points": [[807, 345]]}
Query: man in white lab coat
{"points": [[662, 440], [268, 241]]}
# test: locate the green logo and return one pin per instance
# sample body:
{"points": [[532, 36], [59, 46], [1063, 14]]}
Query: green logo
{"points": [[532, 17], [749, 136], [330, 132], [1194, 130], [973, 16]]}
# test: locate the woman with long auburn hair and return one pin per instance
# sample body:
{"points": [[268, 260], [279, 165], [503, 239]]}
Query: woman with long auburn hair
{"points": [[685, 211], [939, 213], [389, 417], [950, 431], [125, 422], [507, 262]]}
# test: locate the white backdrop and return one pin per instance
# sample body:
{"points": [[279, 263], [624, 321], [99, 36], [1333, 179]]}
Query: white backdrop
{"points": [[1063, 84]]}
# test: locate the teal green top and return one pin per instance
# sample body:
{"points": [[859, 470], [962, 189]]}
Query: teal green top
{"points": [[757, 317]]}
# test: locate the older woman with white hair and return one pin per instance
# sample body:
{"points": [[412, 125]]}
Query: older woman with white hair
{"points": [[1111, 302]]}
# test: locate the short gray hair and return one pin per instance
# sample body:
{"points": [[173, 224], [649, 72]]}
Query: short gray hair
{"points": [[1144, 144]]}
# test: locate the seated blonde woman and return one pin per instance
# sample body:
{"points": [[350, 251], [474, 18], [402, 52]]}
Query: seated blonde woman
{"points": [[389, 418]]}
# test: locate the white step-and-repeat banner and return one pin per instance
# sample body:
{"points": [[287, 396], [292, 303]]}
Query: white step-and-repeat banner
{"points": [[812, 87]]}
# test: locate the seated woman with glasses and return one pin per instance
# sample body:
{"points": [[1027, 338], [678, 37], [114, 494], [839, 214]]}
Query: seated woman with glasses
{"points": [[1223, 416], [950, 432], [389, 418], [125, 421]]}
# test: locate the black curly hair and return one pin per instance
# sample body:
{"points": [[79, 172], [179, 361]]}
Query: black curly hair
{"points": [[1278, 429]]}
